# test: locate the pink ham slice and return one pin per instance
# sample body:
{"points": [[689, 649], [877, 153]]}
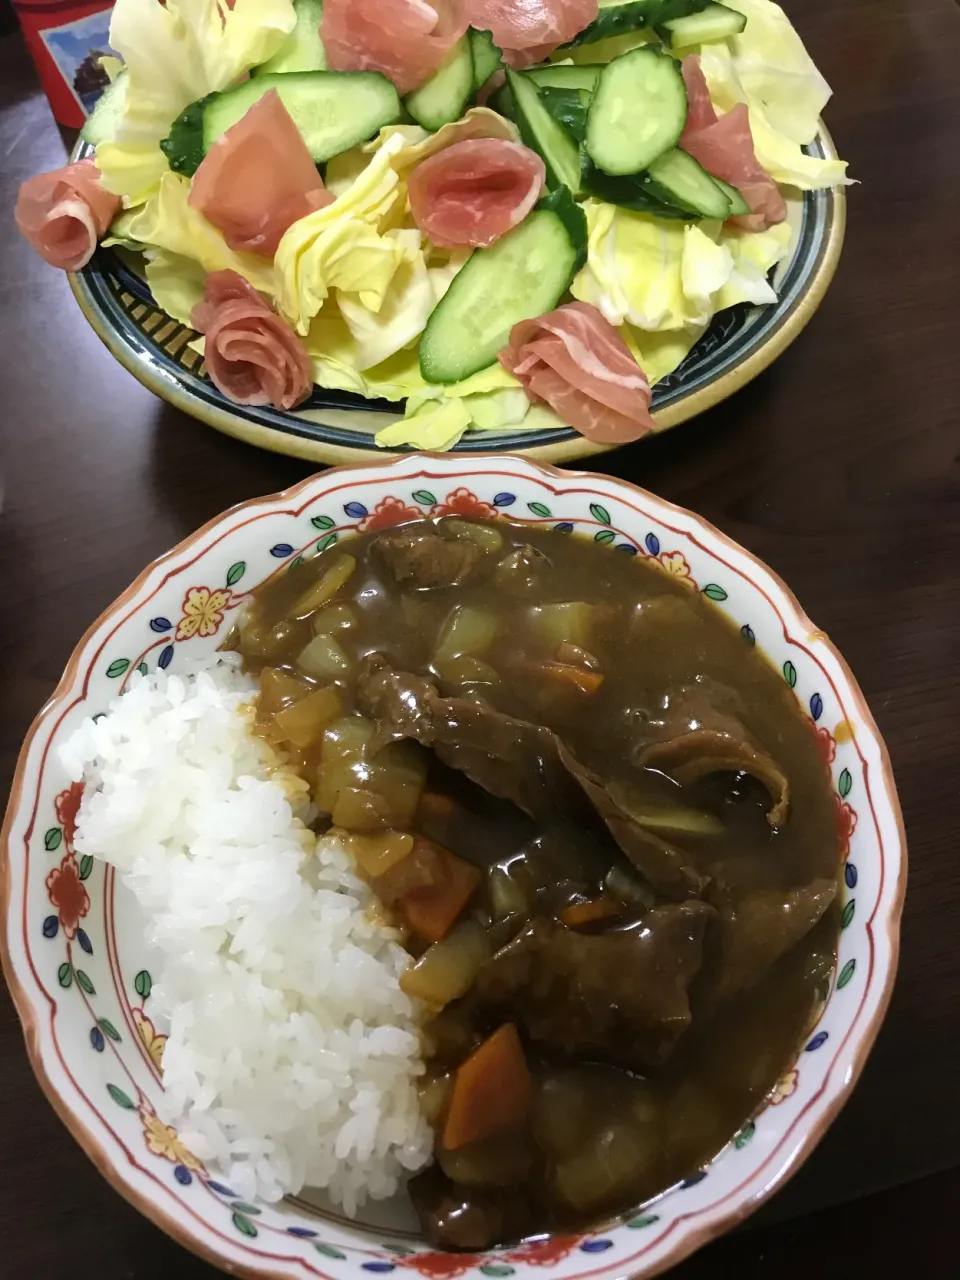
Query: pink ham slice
{"points": [[258, 179], [253, 356], [724, 146], [529, 30], [575, 361], [473, 192], [700, 110], [64, 213], [406, 40]]}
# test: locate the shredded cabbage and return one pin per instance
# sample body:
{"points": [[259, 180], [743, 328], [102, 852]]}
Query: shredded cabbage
{"points": [[176, 53], [776, 71], [735, 72], [167, 222], [340, 246], [436, 425]]}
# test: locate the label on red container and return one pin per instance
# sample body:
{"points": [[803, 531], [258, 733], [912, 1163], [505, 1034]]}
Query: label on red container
{"points": [[66, 39]]}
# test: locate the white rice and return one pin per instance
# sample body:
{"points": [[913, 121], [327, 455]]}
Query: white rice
{"points": [[292, 1052]]}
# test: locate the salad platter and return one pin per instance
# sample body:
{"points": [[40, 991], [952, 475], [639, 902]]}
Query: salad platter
{"points": [[335, 230]]}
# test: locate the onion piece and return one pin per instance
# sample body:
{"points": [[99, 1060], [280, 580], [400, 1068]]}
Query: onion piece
{"points": [[375, 855], [360, 809], [333, 578], [484, 535], [338, 616], [323, 658], [467, 632], [466, 670], [446, 970], [506, 896], [570, 622], [666, 819], [304, 721], [278, 689], [343, 759]]}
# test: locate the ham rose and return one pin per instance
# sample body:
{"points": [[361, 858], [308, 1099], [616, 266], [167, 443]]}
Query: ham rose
{"points": [[575, 361], [258, 179], [64, 213], [253, 356], [475, 191]]}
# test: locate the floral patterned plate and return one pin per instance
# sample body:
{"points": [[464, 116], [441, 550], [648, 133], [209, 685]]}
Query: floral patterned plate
{"points": [[337, 427], [73, 948]]}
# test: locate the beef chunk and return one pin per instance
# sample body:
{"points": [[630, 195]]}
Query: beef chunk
{"points": [[458, 1217], [421, 559], [658, 861], [759, 927], [509, 758], [699, 735], [398, 701], [515, 760], [617, 997]]}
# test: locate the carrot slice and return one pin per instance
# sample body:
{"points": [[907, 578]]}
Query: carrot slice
{"points": [[432, 909], [491, 1090], [593, 909], [577, 677]]}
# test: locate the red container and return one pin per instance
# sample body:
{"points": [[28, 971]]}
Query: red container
{"points": [[66, 37]]}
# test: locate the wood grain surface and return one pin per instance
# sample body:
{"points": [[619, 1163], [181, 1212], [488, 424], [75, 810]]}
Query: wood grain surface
{"points": [[838, 467]]}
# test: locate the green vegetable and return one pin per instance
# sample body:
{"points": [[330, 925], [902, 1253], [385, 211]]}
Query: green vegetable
{"points": [[303, 49], [486, 57], [630, 192], [715, 22], [524, 274], [502, 101], [738, 205], [619, 17], [676, 178], [444, 96], [569, 108], [563, 77], [333, 110], [543, 134], [638, 111]]}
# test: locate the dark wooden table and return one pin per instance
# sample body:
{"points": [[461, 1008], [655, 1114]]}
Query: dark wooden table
{"points": [[838, 466]]}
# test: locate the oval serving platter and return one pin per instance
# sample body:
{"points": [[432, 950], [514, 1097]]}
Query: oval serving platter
{"points": [[337, 427]]}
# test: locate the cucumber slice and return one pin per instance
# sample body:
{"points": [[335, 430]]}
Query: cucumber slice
{"points": [[637, 113], [334, 111], [525, 274], [486, 57], [542, 133], [303, 49], [619, 17], [568, 107], [502, 102], [628, 193], [101, 125], [443, 97], [738, 206], [183, 145], [676, 178], [584, 77], [715, 22]]}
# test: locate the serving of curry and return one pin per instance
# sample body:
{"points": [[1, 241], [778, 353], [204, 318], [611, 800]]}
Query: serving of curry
{"points": [[603, 829]]}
